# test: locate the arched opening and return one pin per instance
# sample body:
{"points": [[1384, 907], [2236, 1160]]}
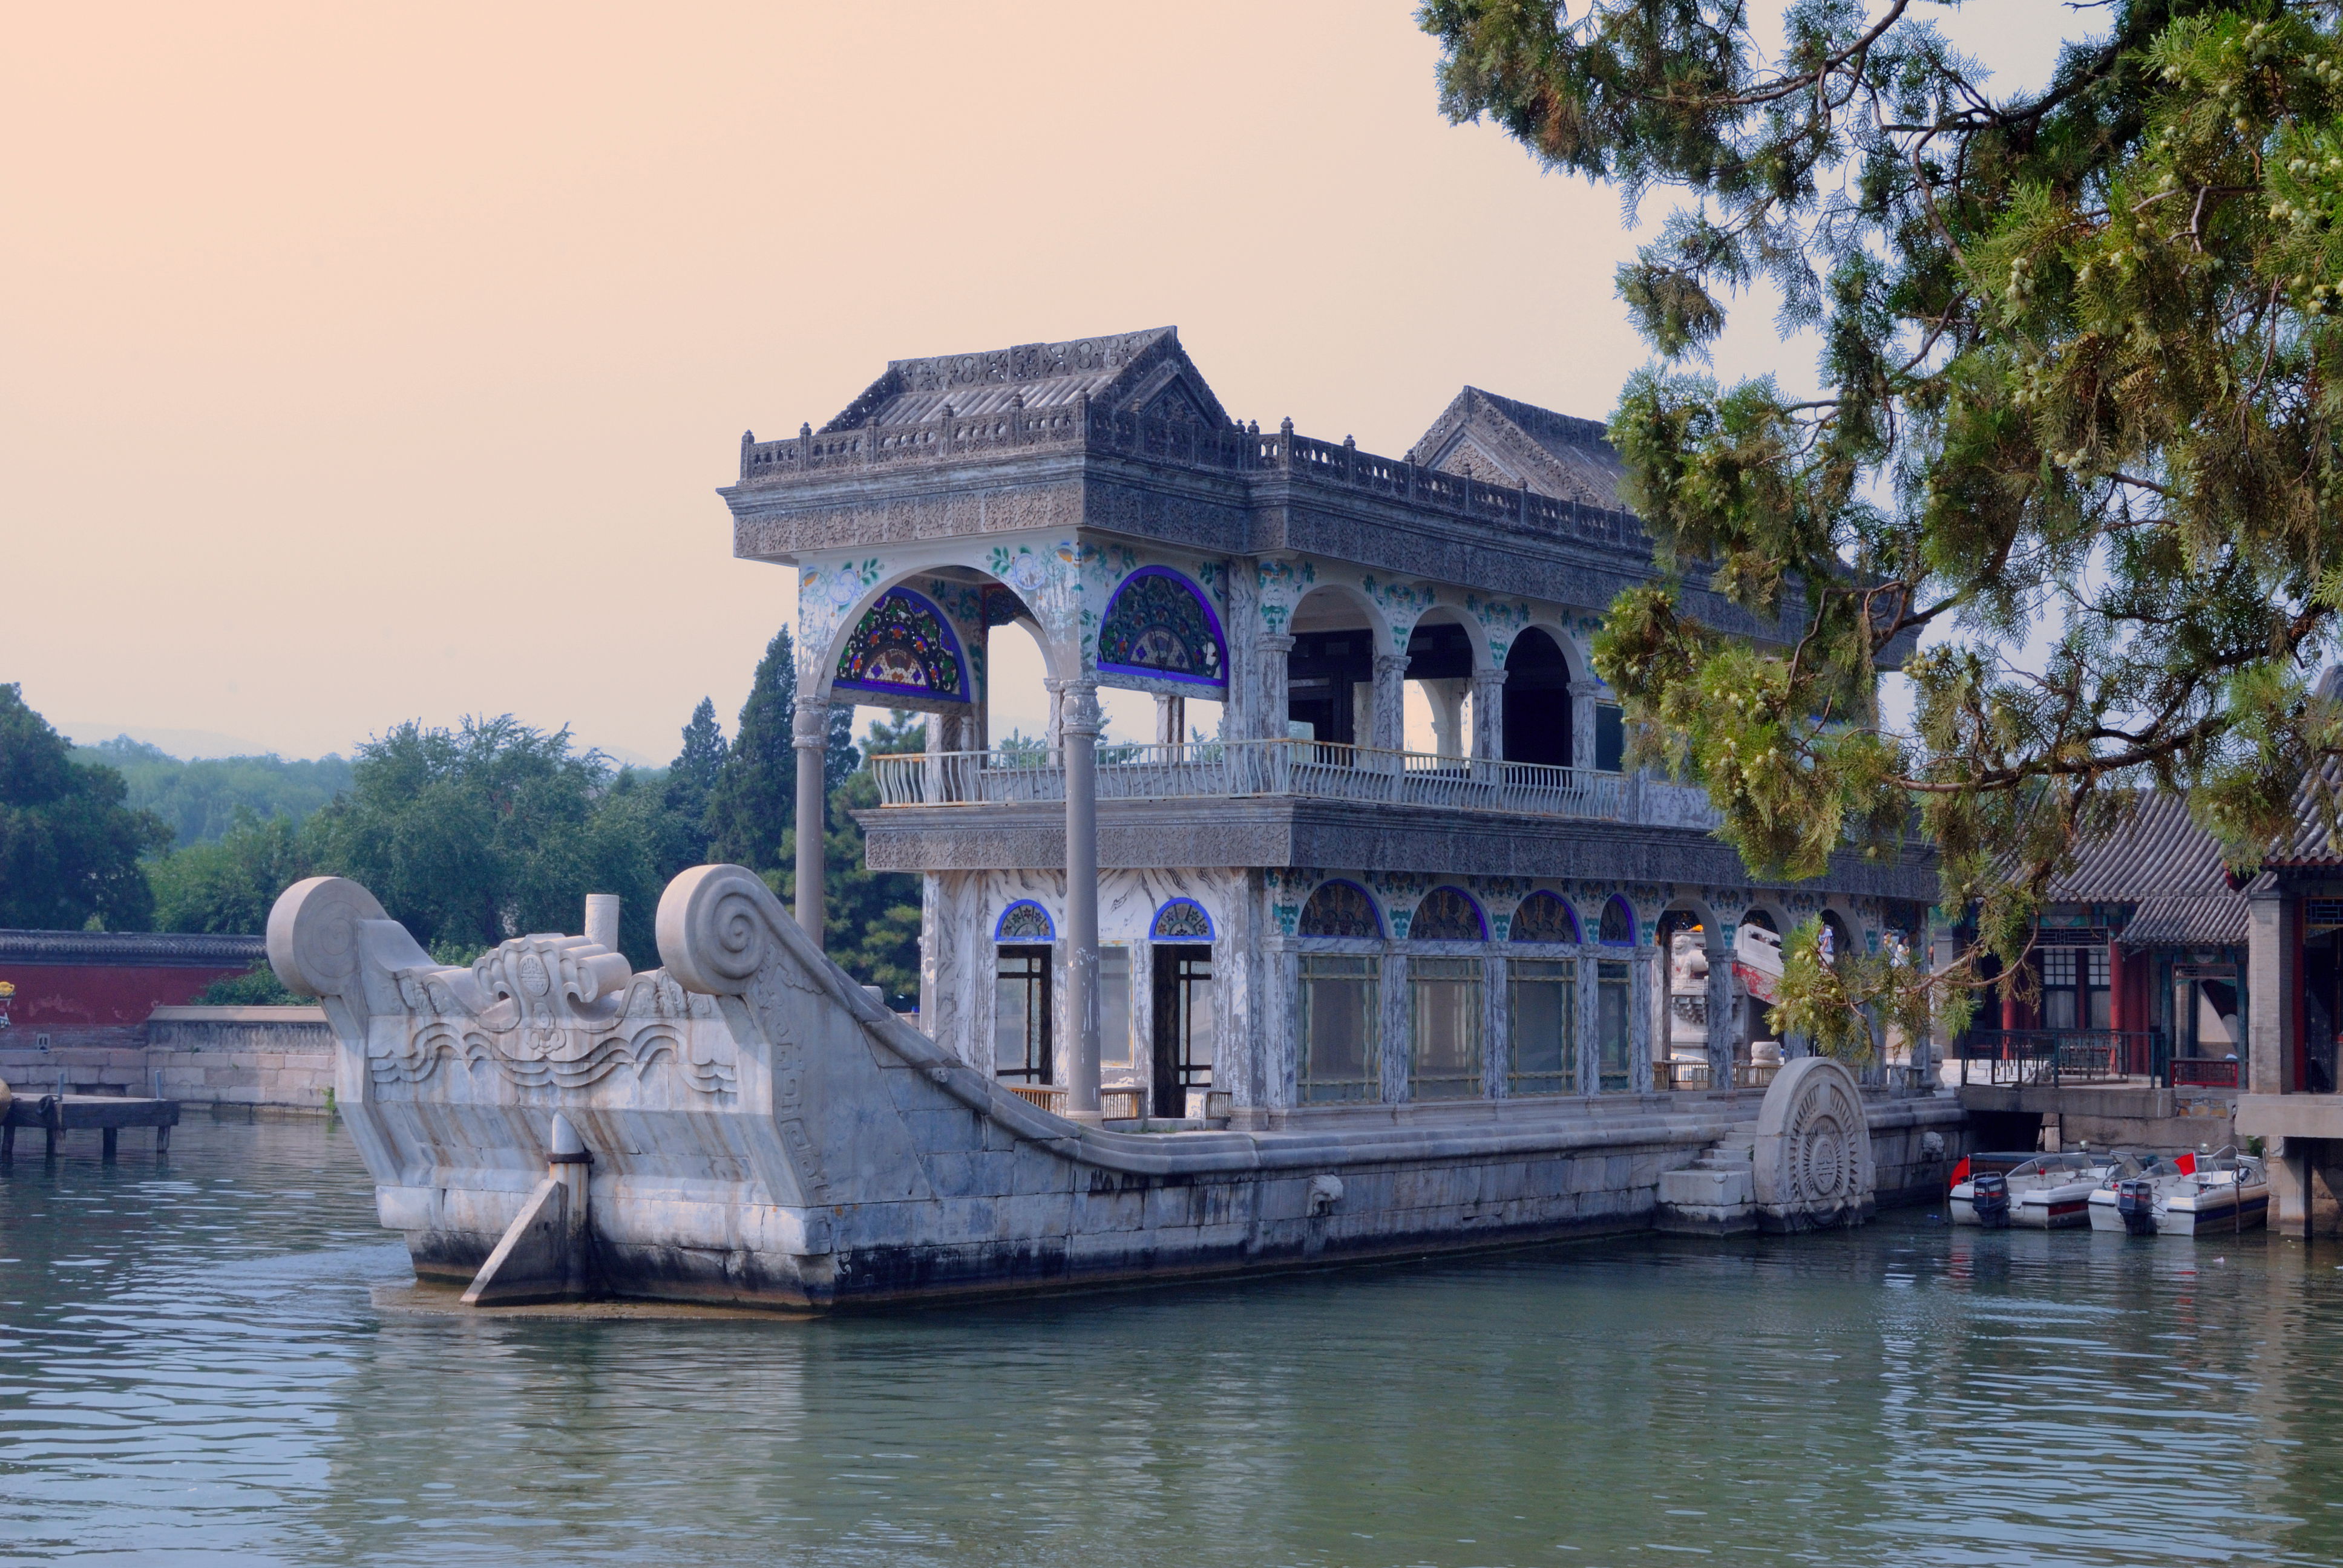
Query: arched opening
{"points": [[1680, 1044], [1537, 722], [1757, 973], [1448, 915], [1162, 661], [1545, 918], [1330, 675], [1439, 697], [1338, 1009]]}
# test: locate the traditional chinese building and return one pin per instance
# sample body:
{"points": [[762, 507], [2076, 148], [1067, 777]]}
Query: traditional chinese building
{"points": [[1296, 913]]}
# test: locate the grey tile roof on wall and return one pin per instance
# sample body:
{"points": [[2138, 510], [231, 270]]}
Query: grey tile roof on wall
{"points": [[2158, 858], [2156, 849], [131, 950]]}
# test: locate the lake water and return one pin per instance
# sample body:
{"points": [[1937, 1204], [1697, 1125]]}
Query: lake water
{"points": [[193, 1368]]}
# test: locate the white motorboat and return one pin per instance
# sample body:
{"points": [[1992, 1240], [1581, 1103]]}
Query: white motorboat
{"points": [[2216, 1194], [2049, 1191]]}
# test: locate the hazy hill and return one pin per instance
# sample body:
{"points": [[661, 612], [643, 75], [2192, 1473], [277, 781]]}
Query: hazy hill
{"points": [[199, 798]]}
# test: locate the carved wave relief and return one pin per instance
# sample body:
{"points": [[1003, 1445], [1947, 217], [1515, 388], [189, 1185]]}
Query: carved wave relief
{"points": [[552, 1013]]}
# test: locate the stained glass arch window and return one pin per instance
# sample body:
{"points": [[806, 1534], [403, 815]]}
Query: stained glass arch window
{"points": [[1545, 918], [904, 647], [1180, 921], [1448, 915], [1160, 625], [1618, 929], [1340, 909], [1024, 921]]}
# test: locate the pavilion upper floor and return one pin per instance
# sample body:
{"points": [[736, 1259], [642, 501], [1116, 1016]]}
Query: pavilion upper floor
{"points": [[1103, 445]]}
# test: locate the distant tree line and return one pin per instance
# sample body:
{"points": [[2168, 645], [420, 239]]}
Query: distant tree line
{"points": [[467, 835]]}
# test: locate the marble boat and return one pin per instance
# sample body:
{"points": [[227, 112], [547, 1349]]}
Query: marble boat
{"points": [[746, 1125]]}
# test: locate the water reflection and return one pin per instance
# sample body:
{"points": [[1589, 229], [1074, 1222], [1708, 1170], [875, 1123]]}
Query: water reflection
{"points": [[191, 1369]]}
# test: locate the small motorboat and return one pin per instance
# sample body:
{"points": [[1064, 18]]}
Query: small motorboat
{"points": [[2210, 1193], [2047, 1192]]}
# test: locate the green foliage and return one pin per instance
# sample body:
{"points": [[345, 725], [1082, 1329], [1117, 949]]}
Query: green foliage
{"points": [[870, 919], [257, 987], [752, 804], [201, 800], [2082, 376], [69, 842], [691, 780], [230, 884], [752, 801], [492, 830]]}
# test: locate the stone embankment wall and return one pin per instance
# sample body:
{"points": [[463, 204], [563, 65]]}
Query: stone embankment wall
{"points": [[2106, 1116], [278, 1057]]}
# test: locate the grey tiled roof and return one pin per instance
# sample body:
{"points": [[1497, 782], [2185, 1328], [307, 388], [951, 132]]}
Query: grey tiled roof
{"points": [[2160, 859], [1132, 371], [2158, 850], [1553, 454]]}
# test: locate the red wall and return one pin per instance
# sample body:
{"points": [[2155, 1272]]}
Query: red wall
{"points": [[98, 996]]}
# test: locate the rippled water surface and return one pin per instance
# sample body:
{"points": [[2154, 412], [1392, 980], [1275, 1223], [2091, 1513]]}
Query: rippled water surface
{"points": [[193, 1368]]}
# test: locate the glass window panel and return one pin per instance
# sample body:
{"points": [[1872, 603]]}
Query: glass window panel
{"points": [[1613, 1003], [1543, 1005], [1340, 1058], [1114, 1007], [1020, 1014], [1445, 1063], [1196, 1022]]}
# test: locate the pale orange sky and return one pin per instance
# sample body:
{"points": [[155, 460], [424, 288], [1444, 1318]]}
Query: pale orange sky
{"points": [[374, 363]]}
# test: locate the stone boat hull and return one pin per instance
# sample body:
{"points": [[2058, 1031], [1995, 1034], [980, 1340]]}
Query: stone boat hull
{"points": [[760, 1132]]}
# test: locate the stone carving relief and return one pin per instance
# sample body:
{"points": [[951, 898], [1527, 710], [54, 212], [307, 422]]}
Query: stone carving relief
{"points": [[542, 1011], [1814, 1166]]}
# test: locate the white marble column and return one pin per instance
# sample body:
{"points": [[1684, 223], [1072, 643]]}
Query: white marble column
{"points": [[1489, 714], [810, 736], [1583, 694], [1398, 1024], [1273, 707], [1589, 1018], [1447, 699], [1648, 963], [1080, 724], [1496, 1028], [2270, 966], [1722, 1031], [1390, 730]]}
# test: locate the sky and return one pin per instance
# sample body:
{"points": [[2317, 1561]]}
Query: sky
{"points": [[373, 363]]}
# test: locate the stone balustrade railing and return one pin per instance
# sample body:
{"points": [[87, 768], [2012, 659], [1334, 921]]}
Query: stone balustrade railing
{"points": [[1310, 769], [1223, 449]]}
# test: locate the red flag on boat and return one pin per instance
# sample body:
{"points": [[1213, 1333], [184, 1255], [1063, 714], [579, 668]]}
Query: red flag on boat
{"points": [[1960, 1173], [2187, 1163]]}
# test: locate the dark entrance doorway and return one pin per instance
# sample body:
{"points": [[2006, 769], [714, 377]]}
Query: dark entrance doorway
{"points": [[1183, 1025]]}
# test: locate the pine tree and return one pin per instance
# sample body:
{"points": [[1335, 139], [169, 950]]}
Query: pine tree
{"points": [[752, 800], [691, 776], [2081, 349]]}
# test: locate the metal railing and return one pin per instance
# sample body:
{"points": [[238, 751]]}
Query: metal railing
{"points": [[1210, 769], [2203, 1072], [2024, 1058], [1676, 1075]]}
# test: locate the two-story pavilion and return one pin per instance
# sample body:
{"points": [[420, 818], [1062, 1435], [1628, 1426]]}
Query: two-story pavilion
{"points": [[1301, 911]]}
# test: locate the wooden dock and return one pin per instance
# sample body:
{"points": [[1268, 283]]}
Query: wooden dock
{"points": [[57, 1114]]}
